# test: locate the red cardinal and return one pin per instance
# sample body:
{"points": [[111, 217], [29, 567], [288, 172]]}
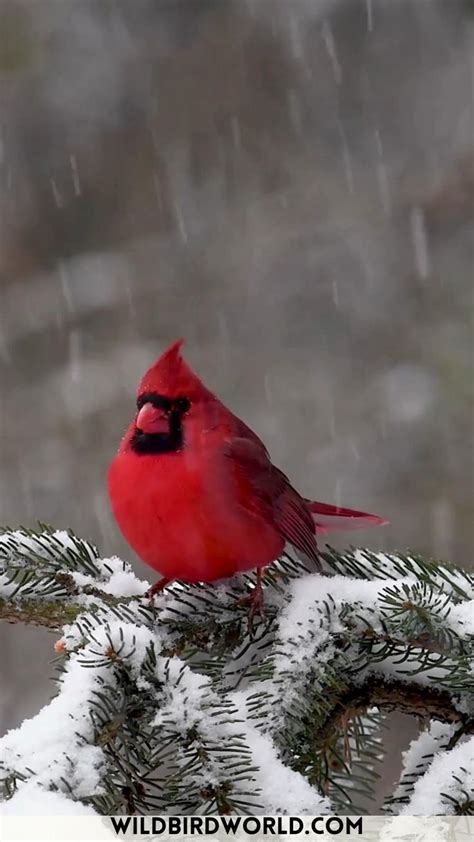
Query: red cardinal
{"points": [[195, 493]]}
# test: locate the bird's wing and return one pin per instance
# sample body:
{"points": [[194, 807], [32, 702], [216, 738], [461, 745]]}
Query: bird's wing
{"points": [[266, 490]]}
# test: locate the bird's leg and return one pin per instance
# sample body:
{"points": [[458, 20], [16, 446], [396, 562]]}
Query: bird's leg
{"points": [[254, 600], [157, 587]]}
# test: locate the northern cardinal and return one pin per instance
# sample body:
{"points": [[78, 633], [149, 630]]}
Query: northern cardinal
{"points": [[194, 491]]}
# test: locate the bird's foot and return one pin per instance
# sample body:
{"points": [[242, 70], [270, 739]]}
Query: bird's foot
{"points": [[159, 586], [255, 601]]}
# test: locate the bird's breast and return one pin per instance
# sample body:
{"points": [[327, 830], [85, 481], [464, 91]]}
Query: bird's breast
{"points": [[181, 514]]}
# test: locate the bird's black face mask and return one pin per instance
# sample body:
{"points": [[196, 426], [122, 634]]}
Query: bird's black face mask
{"points": [[159, 424]]}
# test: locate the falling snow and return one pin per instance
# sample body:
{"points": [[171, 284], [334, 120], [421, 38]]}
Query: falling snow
{"points": [[282, 184]]}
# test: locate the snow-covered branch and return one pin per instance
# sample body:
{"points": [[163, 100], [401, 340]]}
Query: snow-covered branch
{"points": [[173, 707]]}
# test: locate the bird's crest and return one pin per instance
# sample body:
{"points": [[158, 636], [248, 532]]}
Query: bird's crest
{"points": [[172, 377]]}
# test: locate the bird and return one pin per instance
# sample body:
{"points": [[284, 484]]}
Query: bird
{"points": [[195, 493]]}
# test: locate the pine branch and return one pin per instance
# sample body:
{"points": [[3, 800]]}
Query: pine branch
{"points": [[49, 615], [53, 615], [175, 705], [423, 702]]}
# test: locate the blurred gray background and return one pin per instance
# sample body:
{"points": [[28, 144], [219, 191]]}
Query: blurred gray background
{"points": [[290, 186]]}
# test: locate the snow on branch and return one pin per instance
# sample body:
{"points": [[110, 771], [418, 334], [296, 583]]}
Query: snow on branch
{"points": [[174, 707]]}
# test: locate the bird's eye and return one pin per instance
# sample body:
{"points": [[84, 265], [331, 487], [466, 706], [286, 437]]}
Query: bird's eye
{"points": [[183, 405]]}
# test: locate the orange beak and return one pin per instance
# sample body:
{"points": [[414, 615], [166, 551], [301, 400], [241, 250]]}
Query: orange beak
{"points": [[152, 420]]}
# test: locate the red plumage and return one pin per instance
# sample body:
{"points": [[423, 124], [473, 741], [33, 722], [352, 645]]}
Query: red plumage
{"points": [[193, 488]]}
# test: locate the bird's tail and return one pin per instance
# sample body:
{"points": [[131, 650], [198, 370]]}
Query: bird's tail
{"points": [[328, 518]]}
